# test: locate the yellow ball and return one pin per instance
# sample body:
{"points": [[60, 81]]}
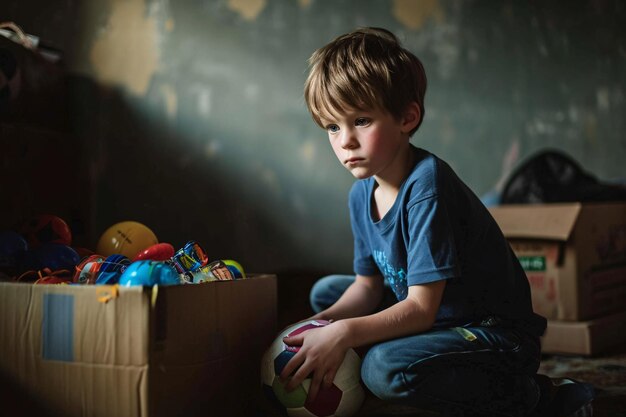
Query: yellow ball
{"points": [[237, 265], [126, 238]]}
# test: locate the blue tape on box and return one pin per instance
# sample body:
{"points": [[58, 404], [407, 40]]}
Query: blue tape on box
{"points": [[58, 327]]}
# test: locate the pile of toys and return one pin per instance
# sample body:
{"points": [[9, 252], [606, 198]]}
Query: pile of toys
{"points": [[128, 253]]}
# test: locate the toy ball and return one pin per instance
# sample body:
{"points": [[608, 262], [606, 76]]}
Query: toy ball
{"points": [[343, 399], [46, 228], [87, 269], [11, 243], [50, 255], [235, 268], [149, 273], [158, 252], [126, 238], [111, 269]]}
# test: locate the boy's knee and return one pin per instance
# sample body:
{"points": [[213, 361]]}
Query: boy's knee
{"points": [[327, 290], [379, 375], [318, 296]]}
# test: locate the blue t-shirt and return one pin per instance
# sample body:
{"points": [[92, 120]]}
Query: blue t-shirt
{"points": [[438, 229]]}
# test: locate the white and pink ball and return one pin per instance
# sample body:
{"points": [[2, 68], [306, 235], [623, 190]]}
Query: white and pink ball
{"points": [[343, 399]]}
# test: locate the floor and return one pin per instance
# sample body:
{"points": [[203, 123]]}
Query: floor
{"points": [[606, 373]]}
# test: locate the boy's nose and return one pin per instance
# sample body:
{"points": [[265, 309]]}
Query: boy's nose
{"points": [[348, 140]]}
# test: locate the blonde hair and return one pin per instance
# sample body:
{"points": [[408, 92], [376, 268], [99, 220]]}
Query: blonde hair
{"points": [[364, 69]]}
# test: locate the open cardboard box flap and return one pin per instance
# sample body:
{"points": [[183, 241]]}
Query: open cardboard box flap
{"points": [[551, 222]]}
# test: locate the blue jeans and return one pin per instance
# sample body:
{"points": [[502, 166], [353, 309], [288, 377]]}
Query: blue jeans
{"points": [[484, 369]]}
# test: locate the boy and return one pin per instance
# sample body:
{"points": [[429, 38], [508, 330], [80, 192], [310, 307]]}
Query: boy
{"points": [[462, 336]]}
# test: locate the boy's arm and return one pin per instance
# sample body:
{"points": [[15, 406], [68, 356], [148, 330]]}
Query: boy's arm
{"points": [[323, 349], [415, 314], [359, 299]]}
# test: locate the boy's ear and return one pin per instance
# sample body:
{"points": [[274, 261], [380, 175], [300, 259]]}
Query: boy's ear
{"points": [[411, 118]]}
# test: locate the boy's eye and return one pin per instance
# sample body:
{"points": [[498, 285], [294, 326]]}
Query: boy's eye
{"points": [[332, 128], [361, 121]]}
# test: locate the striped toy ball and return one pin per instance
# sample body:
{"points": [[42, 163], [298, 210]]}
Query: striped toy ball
{"points": [[86, 272], [111, 269]]}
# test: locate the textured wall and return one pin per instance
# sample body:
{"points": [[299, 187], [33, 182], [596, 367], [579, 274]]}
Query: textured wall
{"points": [[196, 126]]}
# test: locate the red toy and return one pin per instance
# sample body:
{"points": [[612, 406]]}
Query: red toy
{"points": [[46, 228], [158, 252]]}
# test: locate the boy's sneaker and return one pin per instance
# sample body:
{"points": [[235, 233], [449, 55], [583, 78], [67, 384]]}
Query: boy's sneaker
{"points": [[563, 397]]}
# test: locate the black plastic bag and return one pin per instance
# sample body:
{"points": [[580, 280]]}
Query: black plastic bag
{"points": [[552, 176]]}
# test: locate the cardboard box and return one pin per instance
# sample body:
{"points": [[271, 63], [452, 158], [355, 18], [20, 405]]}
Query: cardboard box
{"points": [[188, 350], [574, 256], [593, 337]]}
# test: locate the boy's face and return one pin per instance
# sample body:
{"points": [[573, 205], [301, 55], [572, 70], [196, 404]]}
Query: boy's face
{"points": [[368, 143]]}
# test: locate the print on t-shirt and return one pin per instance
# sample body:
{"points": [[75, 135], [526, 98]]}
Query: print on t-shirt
{"points": [[395, 278]]}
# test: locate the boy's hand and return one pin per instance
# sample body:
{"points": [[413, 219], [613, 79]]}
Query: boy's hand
{"points": [[321, 353]]}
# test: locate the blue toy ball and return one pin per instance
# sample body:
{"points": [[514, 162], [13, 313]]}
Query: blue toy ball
{"points": [[49, 255], [149, 273], [112, 269], [12, 245]]}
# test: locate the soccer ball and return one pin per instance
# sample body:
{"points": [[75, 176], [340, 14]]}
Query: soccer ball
{"points": [[343, 399]]}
